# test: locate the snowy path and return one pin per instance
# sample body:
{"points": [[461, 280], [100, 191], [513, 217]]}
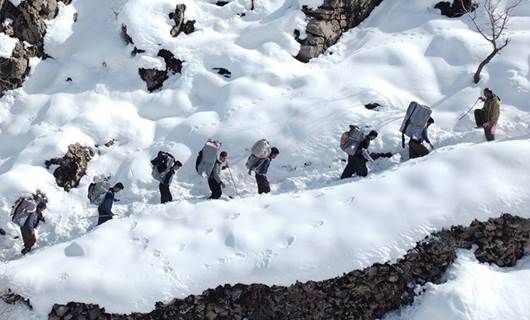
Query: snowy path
{"points": [[312, 226]]}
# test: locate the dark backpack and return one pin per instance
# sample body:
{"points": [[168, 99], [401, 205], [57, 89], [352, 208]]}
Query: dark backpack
{"points": [[161, 163]]}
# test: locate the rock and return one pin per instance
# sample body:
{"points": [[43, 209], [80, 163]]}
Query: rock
{"points": [[72, 166], [154, 78], [328, 22], [173, 64], [223, 72], [221, 3], [373, 106], [456, 9], [125, 36], [180, 25], [13, 71]]}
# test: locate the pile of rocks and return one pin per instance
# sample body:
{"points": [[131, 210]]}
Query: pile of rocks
{"points": [[155, 78], [329, 21], [501, 241], [25, 22], [456, 9], [361, 294], [181, 25], [72, 166]]}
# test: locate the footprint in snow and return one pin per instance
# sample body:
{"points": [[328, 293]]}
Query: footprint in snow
{"points": [[290, 240], [318, 224]]}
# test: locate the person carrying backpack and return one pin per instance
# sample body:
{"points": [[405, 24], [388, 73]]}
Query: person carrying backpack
{"points": [[164, 167], [27, 214], [262, 169], [488, 116], [416, 147], [214, 180], [105, 208], [165, 193], [357, 160]]}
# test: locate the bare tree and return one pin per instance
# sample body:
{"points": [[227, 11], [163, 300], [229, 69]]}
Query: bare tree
{"points": [[491, 20]]}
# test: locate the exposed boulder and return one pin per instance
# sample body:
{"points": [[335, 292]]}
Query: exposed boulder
{"points": [[361, 294], [28, 25], [13, 71], [456, 9], [223, 72], [173, 64], [373, 106], [328, 22], [178, 16], [154, 78], [72, 166]]}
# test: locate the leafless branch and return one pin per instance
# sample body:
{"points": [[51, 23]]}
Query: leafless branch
{"points": [[491, 23]]}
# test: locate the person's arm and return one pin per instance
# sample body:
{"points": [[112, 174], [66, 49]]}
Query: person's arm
{"points": [[168, 176], [366, 155], [107, 203], [215, 172], [264, 167]]}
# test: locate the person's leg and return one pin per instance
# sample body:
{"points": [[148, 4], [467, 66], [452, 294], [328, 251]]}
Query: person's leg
{"points": [[479, 118], [349, 170], [29, 239], [360, 167], [103, 216], [165, 194], [263, 184], [215, 188], [417, 150], [488, 132]]}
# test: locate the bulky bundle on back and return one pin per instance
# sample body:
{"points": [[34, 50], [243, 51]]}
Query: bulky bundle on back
{"points": [[415, 121], [350, 140], [161, 165], [260, 151], [98, 189], [24, 206], [207, 157]]}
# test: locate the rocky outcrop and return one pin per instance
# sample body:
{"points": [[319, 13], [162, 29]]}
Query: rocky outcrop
{"points": [[361, 294], [154, 78], [12, 298], [27, 24], [13, 70], [181, 25], [456, 9], [72, 166], [329, 21]]}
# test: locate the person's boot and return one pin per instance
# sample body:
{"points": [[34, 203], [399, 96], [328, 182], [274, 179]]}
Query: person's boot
{"points": [[25, 250]]}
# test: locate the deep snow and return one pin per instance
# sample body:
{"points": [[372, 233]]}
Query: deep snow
{"points": [[313, 226]]}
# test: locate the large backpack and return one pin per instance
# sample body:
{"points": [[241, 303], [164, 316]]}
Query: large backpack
{"points": [[161, 165], [98, 189], [207, 157], [350, 140], [260, 151], [415, 121], [23, 208]]}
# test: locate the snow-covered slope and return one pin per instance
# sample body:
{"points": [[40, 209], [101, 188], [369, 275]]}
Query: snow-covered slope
{"points": [[312, 226]]}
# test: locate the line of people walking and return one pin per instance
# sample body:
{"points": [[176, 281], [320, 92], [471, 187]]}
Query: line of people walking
{"points": [[28, 212]]}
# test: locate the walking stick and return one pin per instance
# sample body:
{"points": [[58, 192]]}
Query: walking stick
{"points": [[233, 181], [468, 111]]}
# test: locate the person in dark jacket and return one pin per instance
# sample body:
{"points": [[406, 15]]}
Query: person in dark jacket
{"points": [[28, 229], [105, 208], [357, 162], [488, 116], [165, 193], [416, 147], [214, 180], [261, 172]]}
